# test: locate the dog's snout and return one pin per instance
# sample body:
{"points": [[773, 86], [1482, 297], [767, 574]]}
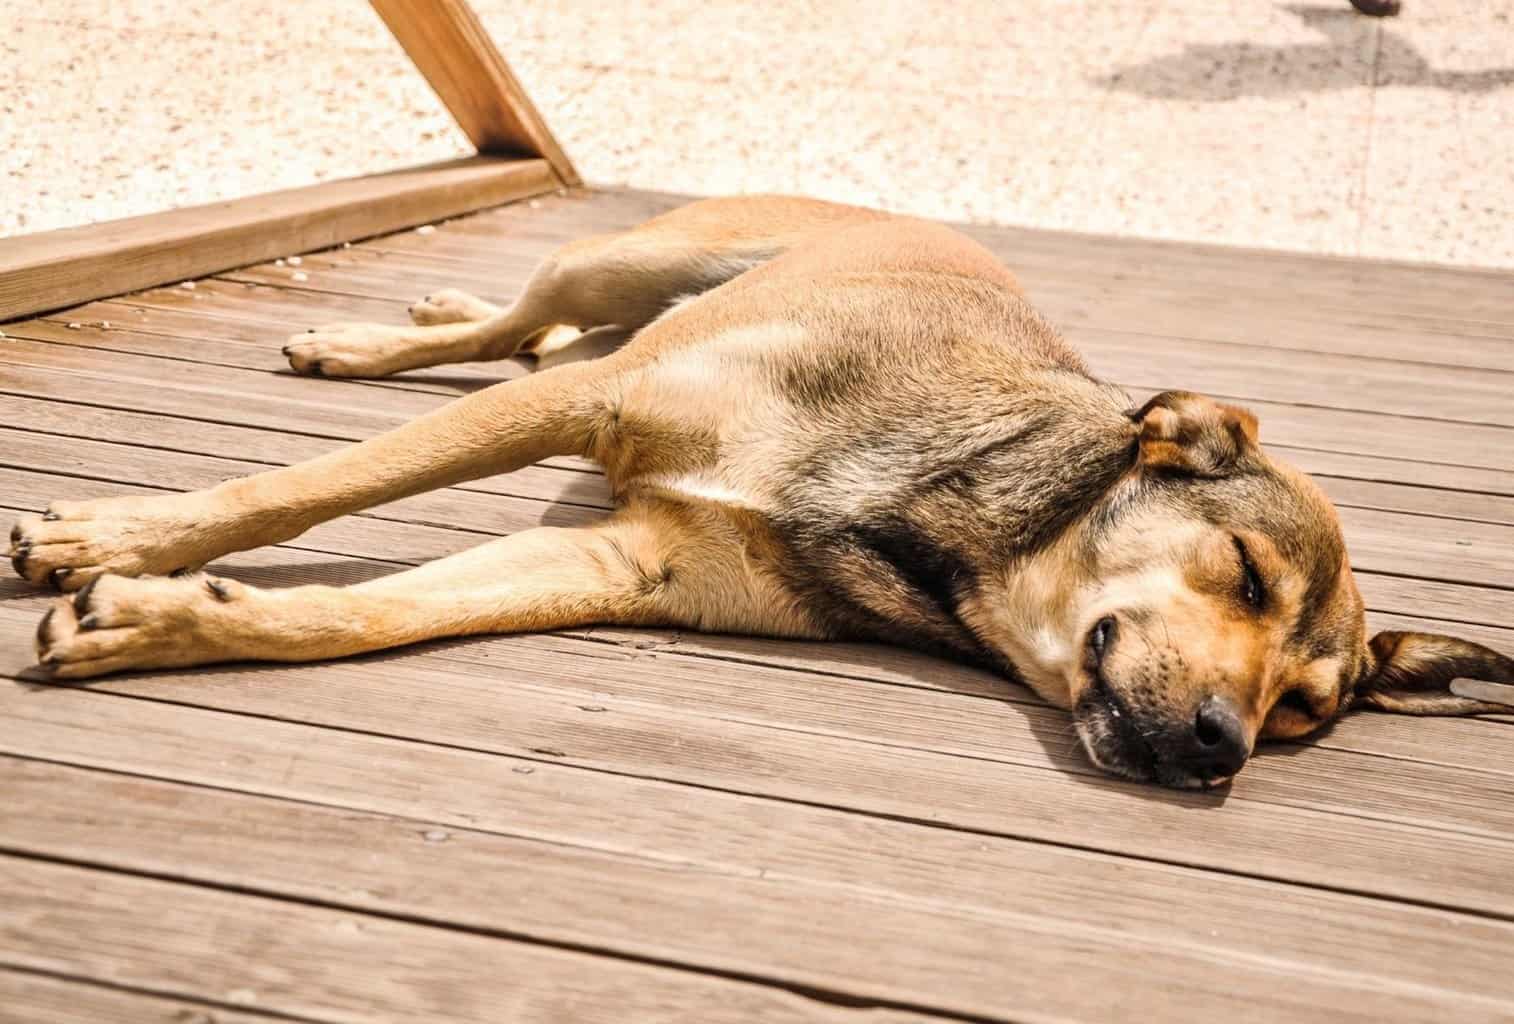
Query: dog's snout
{"points": [[1219, 743]]}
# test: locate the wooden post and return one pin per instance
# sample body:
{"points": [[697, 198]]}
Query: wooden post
{"points": [[448, 44]]}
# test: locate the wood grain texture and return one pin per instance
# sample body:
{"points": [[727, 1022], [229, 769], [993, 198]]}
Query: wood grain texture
{"points": [[28, 998], [793, 922], [743, 828], [59, 268], [449, 45], [313, 963]]}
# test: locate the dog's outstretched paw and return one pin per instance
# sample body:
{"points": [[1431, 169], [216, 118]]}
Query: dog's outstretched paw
{"points": [[114, 624], [74, 542]]}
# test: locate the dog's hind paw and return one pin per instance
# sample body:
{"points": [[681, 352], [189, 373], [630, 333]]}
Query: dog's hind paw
{"points": [[349, 350], [451, 306]]}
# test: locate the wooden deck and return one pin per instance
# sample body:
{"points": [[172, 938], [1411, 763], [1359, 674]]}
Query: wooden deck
{"points": [[627, 826]]}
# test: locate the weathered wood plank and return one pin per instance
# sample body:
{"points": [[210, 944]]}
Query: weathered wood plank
{"points": [[219, 300], [59, 268], [1304, 378], [27, 998], [796, 929], [1320, 285], [320, 964]]}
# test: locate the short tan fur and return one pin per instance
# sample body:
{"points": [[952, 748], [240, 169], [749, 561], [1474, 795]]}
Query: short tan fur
{"points": [[817, 421]]}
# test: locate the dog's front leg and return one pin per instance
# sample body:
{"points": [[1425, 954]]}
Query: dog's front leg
{"points": [[496, 430], [545, 578]]}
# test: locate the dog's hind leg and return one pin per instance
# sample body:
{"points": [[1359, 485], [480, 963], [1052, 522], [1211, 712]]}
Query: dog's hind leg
{"points": [[623, 280], [496, 430], [624, 570]]}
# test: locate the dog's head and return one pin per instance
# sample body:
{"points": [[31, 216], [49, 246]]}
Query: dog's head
{"points": [[1213, 605]]}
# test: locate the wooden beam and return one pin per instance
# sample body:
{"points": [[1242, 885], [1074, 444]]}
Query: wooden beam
{"points": [[452, 49], [54, 269]]}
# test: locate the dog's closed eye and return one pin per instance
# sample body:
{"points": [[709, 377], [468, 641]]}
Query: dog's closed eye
{"points": [[1253, 589]]}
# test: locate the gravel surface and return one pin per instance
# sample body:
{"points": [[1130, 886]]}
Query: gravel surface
{"points": [[1288, 125]]}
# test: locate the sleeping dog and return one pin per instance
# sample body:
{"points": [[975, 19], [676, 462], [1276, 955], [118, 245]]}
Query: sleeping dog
{"points": [[817, 421]]}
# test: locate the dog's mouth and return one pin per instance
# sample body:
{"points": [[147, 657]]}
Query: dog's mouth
{"points": [[1112, 732]]}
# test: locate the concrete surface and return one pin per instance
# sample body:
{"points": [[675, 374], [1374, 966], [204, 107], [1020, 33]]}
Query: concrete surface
{"points": [[1291, 125]]}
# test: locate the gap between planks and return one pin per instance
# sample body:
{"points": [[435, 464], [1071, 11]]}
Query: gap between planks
{"points": [[767, 922]]}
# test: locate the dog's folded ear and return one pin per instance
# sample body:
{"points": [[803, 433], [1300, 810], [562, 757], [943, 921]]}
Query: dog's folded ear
{"points": [[1184, 433], [1413, 673]]}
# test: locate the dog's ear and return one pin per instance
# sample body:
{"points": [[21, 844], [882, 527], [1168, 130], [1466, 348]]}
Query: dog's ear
{"points": [[1413, 673], [1181, 432]]}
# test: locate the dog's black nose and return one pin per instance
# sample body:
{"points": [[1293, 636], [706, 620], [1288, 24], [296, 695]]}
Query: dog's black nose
{"points": [[1219, 745]]}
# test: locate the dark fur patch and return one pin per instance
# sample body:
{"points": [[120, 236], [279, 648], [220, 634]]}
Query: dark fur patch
{"points": [[921, 563], [946, 498]]}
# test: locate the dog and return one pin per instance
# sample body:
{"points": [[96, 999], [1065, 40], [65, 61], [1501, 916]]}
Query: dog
{"points": [[818, 421]]}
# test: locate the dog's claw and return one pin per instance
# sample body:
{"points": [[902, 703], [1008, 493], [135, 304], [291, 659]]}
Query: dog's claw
{"points": [[81, 599]]}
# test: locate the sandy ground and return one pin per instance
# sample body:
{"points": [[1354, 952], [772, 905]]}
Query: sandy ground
{"points": [[1291, 125]]}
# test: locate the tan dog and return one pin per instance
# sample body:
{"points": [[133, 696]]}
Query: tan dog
{"points": [[827, 422]]}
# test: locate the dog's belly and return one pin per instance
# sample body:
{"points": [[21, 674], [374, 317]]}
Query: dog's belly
{"points": [[706, 419]]}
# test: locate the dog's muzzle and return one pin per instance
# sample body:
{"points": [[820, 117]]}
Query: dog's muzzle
{"points": [[1200, 751]]}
